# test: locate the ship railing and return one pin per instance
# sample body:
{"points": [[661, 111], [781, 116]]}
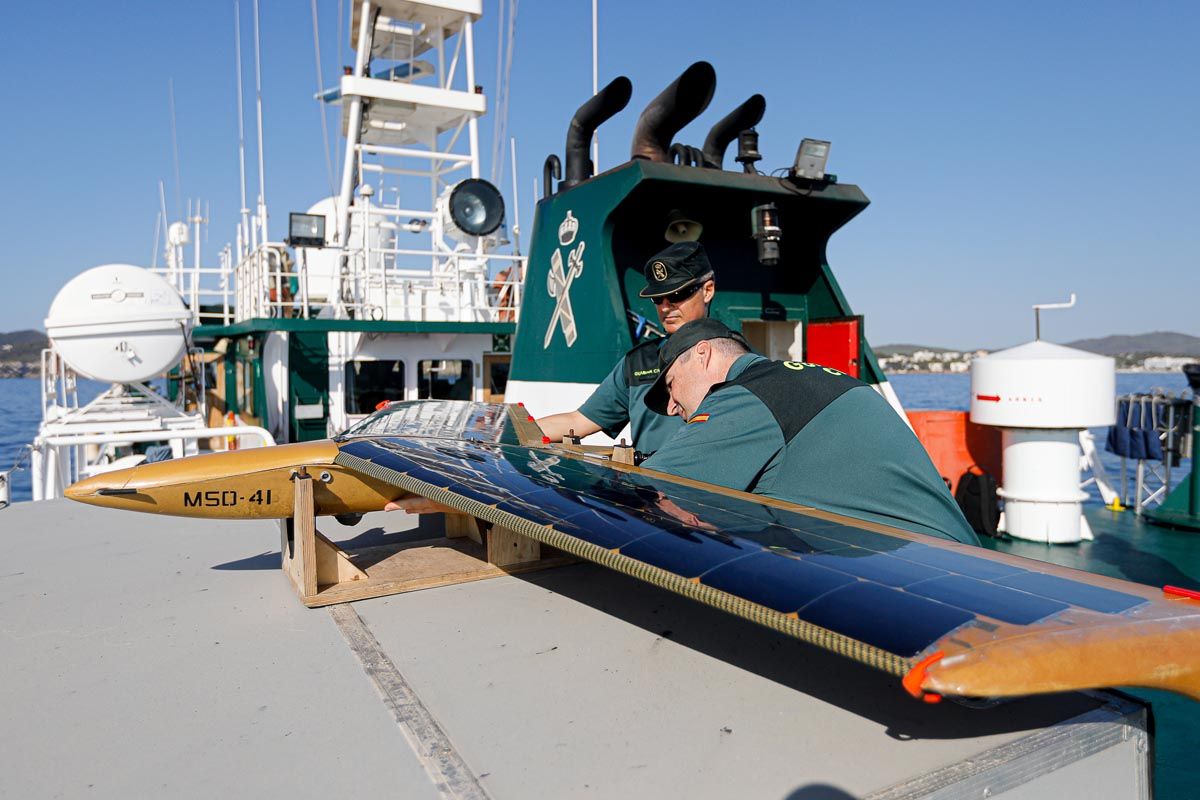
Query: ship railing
{"points": [[207, 291], [380, 284], [59, 459]]}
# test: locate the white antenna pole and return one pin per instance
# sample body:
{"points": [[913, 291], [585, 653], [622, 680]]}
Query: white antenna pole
{"points": [[354, 124], [244, 231], [595, 82], [154, 252], [162, 209], [516, 200], [468, 34], [262, 180]]}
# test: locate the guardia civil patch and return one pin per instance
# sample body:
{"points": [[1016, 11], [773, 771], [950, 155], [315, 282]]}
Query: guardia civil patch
{"points": [[698, 418]]}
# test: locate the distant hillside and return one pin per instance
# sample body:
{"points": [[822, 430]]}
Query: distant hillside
{"points": [[1165, 343], [24, 346]]}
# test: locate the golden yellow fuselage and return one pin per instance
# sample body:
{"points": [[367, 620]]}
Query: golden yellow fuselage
{"points": [[240, 484]]}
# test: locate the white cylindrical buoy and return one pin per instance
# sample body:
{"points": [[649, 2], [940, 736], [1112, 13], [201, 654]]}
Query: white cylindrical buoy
{"points": [[119, 323], [1042, 395]]}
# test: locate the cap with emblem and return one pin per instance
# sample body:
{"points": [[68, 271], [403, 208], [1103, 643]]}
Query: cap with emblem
{"points": [[684, 339], [679, 266]]}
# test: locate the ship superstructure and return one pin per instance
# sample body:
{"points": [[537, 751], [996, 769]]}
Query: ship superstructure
{"points": [[401, 285]]}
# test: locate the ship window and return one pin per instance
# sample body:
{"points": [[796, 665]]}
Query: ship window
{"points": [[446, 380], [369, 383], [245, 388]]}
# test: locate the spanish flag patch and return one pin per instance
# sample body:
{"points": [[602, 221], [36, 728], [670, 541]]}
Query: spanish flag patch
{"points": [[698, 418]]}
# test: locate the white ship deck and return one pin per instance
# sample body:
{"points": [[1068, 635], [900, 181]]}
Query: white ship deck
{"points": [[154, 656]]}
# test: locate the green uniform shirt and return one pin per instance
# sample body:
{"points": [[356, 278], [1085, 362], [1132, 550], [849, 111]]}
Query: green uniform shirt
{"points": [[619, 400], [814, 436]]}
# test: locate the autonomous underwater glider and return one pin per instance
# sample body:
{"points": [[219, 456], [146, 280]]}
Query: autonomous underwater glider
{"points": [[948, 618]]}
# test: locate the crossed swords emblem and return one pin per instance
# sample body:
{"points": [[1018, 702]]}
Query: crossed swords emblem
{"points": [[558, 284]]}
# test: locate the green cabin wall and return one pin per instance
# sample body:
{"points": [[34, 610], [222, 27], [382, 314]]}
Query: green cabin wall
{"points": [[622, 217]]}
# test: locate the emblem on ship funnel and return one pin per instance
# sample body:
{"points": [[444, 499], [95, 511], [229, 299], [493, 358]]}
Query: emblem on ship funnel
{"points": [[559, 280]]}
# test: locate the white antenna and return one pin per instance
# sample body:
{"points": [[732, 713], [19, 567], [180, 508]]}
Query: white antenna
{"points": [[162, 205], [262, 180], [320, 97], [595, 83], [154, 252], [244, 232], [174, 144], [497, 130], [516, 228], [1037, 313]]}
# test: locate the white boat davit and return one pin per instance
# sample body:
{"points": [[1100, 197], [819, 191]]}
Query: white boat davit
{"points": [[1043, 396], [123, 325]]}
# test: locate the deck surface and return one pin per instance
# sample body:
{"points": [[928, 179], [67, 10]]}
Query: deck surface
{"points": [[154, 656]]}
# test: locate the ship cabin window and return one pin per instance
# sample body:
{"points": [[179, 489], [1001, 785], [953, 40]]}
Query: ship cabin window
{"points": [[369, 383], [446, 380], [245, 379]]}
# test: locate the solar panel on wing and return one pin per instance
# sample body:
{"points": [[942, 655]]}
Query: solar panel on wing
{"points": [[1097, 598], [989, 599], [877, 567], [887, 618], [884, 590], [776, 581], [690, 554]]}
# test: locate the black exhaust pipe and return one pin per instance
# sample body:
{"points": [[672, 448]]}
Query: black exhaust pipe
{"points": [[747, 115], [677, 105], [591, 115]]}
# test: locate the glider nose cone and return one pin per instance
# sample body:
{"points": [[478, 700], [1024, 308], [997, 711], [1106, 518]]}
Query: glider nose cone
{"points": [[100, 489]]}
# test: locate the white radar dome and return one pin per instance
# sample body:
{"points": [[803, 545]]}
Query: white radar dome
{"points": [[1043, 385], [119, 323]]}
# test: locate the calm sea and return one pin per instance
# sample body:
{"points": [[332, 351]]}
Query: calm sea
{"points": [[20, 409]]}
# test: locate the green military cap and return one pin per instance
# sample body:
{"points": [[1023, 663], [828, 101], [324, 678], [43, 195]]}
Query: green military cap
{"points": [[682, 340], [679, 266]]}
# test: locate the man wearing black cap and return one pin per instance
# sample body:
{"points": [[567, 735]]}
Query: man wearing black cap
{"points": [[799, 432], [679, 281]]}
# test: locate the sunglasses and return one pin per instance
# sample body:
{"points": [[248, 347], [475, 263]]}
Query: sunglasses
{"points": [[675, 298]]}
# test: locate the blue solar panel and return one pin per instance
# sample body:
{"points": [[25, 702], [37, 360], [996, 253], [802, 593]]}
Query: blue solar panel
{"points": [[877, 567], [998, 602], [1073, 592], [687, 554], [896, 621], [953, 561], [775, 581]]}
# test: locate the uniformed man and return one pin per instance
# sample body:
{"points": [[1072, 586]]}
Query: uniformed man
{"points": [[679, 281], [798, 432]]}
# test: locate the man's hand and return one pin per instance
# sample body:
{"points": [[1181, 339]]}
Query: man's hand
{"points": [[415, 504], [556, 426]]}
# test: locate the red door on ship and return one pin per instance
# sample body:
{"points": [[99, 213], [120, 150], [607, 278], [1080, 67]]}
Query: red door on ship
{"points": [[835, 343]]}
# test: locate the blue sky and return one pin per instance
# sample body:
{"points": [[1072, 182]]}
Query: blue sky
{"points": [[1013, 152]]}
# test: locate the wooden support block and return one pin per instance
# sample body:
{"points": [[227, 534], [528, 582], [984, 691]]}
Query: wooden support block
{"points": [[622, 454], [506, 547], [460, 525], [323, 573], [334, 564]]}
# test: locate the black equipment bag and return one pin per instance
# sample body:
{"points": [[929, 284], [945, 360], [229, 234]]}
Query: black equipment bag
{"points": [[976, 496]]}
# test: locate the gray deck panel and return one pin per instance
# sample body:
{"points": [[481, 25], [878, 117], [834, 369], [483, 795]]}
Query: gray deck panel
{"points": [[135, 665], [582, 682], [564, 683]]}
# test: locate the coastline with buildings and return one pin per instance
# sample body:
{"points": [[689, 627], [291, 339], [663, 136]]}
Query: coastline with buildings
{"points": [[948, 362], [1160, 351]]}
